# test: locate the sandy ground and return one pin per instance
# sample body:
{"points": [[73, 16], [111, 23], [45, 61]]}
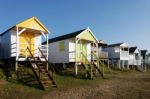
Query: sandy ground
{"points": [[131, 86]]}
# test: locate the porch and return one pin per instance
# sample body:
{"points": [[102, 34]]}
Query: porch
{"points": [[27, 42]]}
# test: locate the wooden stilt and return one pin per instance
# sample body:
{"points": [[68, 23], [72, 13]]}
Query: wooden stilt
{"points": [[119, 64], [47, 66], [16, 66], [103, 67], [128, 65], [108, 64], [112, 62], [76, 69]]}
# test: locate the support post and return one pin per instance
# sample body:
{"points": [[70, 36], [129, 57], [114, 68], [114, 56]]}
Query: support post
{"points": [[17, 48], [47, 66], [75, 65], [112, 62], [47, 45], [119, 64], [76, 69], [108, 64], [128, 65], [81, 51], [16, 66], [145, 67], [103, 66]]}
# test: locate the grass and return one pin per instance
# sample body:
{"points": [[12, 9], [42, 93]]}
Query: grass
{"points": [[126, 84]]}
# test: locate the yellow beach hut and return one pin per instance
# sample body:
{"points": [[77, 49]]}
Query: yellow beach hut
{"points": [[23, 43]]}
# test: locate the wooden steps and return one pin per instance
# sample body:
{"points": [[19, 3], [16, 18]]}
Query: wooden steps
{"points": [[43, 76], [98, 69], [91, 67], [87, 69], [39, 68]]}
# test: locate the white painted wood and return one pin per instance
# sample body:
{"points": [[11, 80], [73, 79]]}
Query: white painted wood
{"points": [[57, 56], [38, 41], [89, 51], [117, 52], [71, 50], [43, 34], [135, 58], [47, 45], [13, 44]]}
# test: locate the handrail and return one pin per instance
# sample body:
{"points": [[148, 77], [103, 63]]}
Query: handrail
{"points": [[95, 56], [85, 58], [90, 65], [43, 54], [46, 60], [98, 61], [33, 58]]}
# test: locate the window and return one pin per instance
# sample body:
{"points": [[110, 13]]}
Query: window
{"points": [[62, 46]]}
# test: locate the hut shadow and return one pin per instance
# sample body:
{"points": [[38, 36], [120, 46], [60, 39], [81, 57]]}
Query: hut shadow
{"points": [[69, 71], [25, 77]]}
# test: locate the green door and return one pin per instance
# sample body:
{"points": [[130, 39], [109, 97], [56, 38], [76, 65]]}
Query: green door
{"points": [[84, 51]]}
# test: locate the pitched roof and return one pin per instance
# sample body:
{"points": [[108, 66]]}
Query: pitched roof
{"points": [[66, 36], [33, 18], [33, 23], [102, 43], [113, 45], [143, 52], [132, 49]]}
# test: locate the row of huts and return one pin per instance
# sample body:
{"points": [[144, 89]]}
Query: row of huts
{"points": [[70, 47], [23, 43]]}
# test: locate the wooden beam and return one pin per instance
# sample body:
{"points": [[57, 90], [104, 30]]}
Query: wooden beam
{"points": [[43, 34], [17, 46], [47, 45], [19, 32]]}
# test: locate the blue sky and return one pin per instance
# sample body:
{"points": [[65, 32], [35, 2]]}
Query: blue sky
{"points": [[110, 20]]}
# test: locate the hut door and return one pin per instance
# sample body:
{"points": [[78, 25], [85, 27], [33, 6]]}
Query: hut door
{"points": [[26, 40], [84, 51]]}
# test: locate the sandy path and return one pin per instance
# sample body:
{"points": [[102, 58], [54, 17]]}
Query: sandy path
{"points": [[121, 87]]}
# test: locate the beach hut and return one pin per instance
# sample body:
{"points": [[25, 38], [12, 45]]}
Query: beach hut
{"points": [[135, 58], [145, 58], [118, 54], [73, 48], [22, 43]]}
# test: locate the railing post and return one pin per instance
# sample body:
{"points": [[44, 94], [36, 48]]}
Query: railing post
{"points": [[47, 45], [17, 48]]}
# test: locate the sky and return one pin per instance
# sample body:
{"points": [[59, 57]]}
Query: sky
{"points": [[113, 21]]}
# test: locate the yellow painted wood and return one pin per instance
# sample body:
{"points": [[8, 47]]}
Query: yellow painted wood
{"points": [[78, 52], [86, 35], [33, 23], [84, 51], [26, 40]]}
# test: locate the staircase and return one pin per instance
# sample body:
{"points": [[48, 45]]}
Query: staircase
{"points": [[97, 69], [39, 68], [91, 68], [97, 64], [87, 68]]}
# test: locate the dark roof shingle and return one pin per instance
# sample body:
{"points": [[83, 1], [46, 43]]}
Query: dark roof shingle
{"points": [[132, 49], [113, 45], [66, 36]]}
